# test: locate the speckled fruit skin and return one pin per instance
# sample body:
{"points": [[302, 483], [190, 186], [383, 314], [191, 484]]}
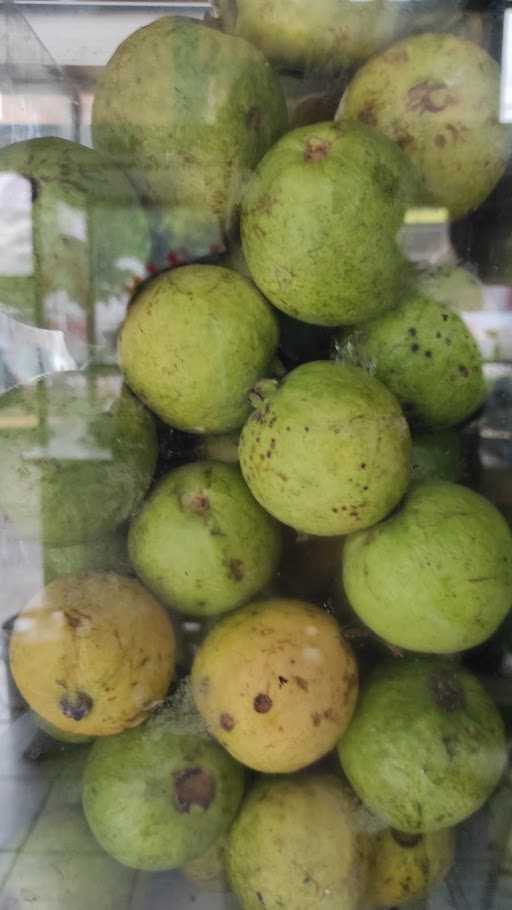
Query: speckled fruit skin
{"points": [[327, 35], [297, 843], [437, 456], [276, 684], [92, 449], [156, 798], [451, 581], [201, 543], [320, 220], [193, 345], [426, 746], [142, 115], [93, 653], [425, 354], [437, 96], [89, 237], [406, 867], [328, 452]]}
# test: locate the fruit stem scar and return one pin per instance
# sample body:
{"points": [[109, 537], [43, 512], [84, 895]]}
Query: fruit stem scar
{"points": [[76, 707], [406, 840], [262, 703], [316, 150], [193, 787], [195, 502]]}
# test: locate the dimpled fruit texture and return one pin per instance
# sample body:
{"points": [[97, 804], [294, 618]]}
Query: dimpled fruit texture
{"points": [[78, 452], [297, 843], [179, 143], [201, 543], [437, 96], [407, 866], [437, 575], [156, 797], [329, 452], [194, 343], [425, 354], [320, 220], [276, 684], [69, 647], [326, 35], [89, 239], [426, 747]]}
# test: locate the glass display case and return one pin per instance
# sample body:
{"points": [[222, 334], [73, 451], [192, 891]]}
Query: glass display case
{"points": [[255, 455]]}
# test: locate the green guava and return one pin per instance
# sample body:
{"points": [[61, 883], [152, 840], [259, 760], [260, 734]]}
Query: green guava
{"points": [[201, 543], [327, 451], [81, 240], [450, 583], [426, 355], [142, 116], [297, 842], [437, 96], [327, 35], [78, 453], [156, 797], [194, 343], [320, 219], [103, 554], [437, 456], [426, 747]]}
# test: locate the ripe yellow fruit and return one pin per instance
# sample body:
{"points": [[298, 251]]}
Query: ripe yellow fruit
{"points": [[276, 684], [405, 867], [93, 653]]}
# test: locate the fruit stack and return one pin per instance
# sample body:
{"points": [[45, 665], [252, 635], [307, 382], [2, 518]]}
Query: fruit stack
{"points": [[321, 743]]}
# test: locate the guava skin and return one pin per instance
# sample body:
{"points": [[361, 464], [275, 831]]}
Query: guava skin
{"points": [[179, 144], [87, 238], [328, 452], [426, 746], [436, 577], [321, 199], [194, 343], [156, 798], [437, 96], [201, 543], [78, 452], [425, 354], [437, 456], [406, 867], [297, 843]]}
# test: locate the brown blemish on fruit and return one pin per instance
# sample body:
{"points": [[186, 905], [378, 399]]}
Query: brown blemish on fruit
{"points": [[236, 569], [406, 840], [282, 681], [253, 118], [316, 718], [316, 150], [425, 98], [77, 706], [262, 703], [440, 140], [447, 691], [302, 683], [260, 897], [195, 502], [457, 132], [227, 722], [367, 114], [193, 787], [463, 371], [75, 619]]}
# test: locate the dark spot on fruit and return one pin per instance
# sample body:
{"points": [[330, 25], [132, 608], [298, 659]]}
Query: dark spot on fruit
{"points": [[272, 443], [306, 429], [415, 348], [262, 703], [316, 718], [193, 787], [450, 745], [316, 150], [227, 722], [269, 454], [428, 354], [260, 897], [236, 569], [429, 97], [412, 333], [365, 489], [328, 714], [367, 114], [445, 317], [363, 465], [447, 691], [440, 140], [438, 335], [406, 840], [253, 118], [282, 681], [463, 371], [302, 683], [77, 706], [335, 510]]}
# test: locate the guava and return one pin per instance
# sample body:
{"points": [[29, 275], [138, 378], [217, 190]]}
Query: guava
{"points": [[437, 456], [297, 842], [426, 355], [92, 654], [78, 453], [327, 35], [437, 96], [327, 451], [156, 797], [104, 554], [426, 746], [320, 219], [406, 867], [75, 239], [201, 543], [208, 871], [276, 684], [194, 343], [450, 585], [142, 119]]}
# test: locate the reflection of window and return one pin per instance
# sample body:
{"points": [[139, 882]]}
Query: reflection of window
{"points": [[506, 71], [30, 110], [15, 225]]}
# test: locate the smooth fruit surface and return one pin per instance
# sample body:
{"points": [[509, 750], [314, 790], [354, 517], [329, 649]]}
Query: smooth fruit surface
{"points": [[276, 684], [437, 575], [93, 653], [194, 343], [327, 451], [406, 866], [426, 747]]}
